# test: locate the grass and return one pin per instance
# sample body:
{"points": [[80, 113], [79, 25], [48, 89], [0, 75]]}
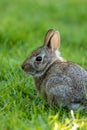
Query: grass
{"points": [[23, 24]]}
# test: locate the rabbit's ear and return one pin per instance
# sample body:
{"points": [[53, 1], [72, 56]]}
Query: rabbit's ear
{"points": [[52, 39]]}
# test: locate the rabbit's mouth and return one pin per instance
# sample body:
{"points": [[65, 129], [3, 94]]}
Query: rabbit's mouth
{"points": [[34, 74], [27, 67], [31, 70], [31, 73]]}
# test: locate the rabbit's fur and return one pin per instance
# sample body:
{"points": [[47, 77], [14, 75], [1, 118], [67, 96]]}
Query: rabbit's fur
{"points": [[59, 81]]}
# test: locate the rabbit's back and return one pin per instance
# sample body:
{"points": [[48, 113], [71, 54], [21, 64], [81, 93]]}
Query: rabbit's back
{"points": [[78, 75], [79, 79]]}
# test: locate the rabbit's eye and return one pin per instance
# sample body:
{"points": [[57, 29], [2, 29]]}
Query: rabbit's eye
{"points": [[38, 58]]}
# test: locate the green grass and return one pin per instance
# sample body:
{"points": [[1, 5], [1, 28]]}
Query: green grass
{"points": [[23, 24]]}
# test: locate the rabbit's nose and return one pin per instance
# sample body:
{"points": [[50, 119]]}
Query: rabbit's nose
{"points": [[25, 67], [22, 66]]}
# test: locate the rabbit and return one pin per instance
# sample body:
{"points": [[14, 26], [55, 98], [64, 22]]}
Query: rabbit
{"points": [[60, 82]]}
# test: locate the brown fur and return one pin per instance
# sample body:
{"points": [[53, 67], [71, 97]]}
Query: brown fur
{"points": [[59, 81]]}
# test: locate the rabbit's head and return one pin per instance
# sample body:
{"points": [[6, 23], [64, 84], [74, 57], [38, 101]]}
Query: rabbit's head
{"points": [[40, 59]]}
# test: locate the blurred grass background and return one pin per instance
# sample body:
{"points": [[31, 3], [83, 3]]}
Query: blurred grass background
{"points": [[23, 24]]}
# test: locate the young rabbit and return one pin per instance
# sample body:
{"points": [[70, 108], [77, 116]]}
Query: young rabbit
{"points": [[60, 82]]}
